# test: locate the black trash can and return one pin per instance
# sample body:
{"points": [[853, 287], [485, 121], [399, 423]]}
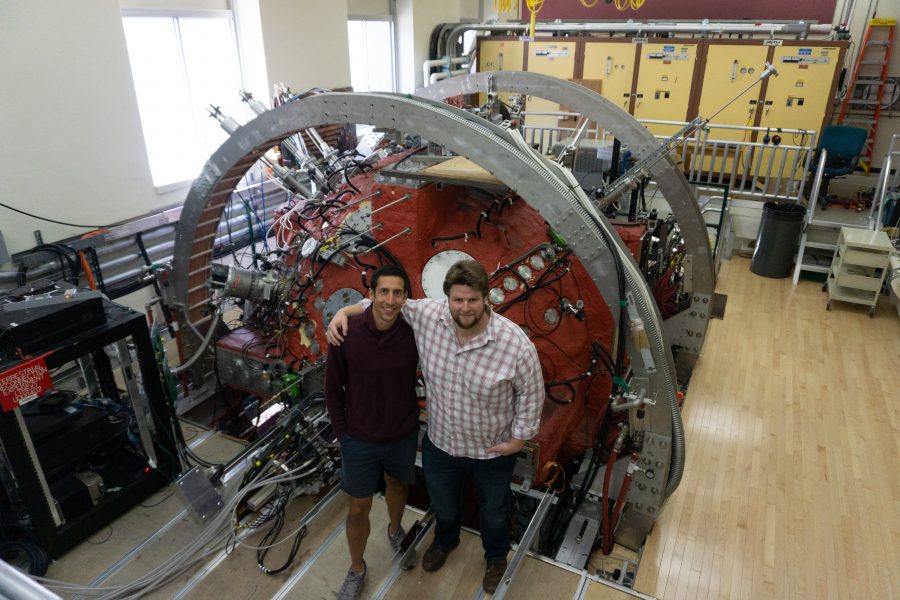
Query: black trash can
{"points": [[779, 234]]}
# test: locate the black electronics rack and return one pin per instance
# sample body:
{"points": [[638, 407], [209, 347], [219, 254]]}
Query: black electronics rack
{"points": [[42, 448]]}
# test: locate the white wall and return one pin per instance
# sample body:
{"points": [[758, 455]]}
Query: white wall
{"points": [[73, 149], [174, 5], [415, 21], [248, 26], [306, 43], [368, 8], [72, 146]]}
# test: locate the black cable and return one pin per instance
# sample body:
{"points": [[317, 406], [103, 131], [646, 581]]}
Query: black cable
{"points": [[104, 540], [164, 498], [270, 537], [92, 251], [450, 238], [33, 216], [63, 257]]}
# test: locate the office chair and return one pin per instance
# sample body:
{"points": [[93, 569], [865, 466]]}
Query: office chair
{"points": [[844, 145]]}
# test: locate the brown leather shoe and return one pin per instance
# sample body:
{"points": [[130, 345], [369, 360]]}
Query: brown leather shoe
{"points": [[493, 573], [435, 556]]}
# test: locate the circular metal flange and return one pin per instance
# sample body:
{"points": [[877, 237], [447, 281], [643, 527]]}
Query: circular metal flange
{"points": [[336, 301], [435, 270]]}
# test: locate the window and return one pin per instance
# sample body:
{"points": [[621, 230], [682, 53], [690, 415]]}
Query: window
{"points": [[181, 65], [372, 55]]}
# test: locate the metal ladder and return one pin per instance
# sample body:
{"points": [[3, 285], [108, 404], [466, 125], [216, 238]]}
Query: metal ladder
{"points": [[820, 233], [862, 102]]}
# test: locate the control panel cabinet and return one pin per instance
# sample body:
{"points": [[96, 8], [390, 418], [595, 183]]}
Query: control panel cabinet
{"points": [[95, 438]]}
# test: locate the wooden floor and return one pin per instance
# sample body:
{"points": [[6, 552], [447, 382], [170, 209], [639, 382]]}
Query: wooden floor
{"points": [[792, 480], [791, 487]]}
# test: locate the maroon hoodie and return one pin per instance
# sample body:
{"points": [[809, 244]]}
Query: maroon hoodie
{"points": [[370, 381]]}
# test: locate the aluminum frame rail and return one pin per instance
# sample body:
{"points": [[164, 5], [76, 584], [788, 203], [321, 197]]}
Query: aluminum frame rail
{"points": [[546, 186]]}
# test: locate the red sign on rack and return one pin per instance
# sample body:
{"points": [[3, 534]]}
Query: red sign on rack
{"points": [[23, 383]]}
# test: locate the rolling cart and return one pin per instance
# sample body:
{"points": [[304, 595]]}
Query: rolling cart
{"points": [[859, 266]]}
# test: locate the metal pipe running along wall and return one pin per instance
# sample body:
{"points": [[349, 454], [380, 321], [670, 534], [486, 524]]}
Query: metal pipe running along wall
{"points": [[801, 29]]}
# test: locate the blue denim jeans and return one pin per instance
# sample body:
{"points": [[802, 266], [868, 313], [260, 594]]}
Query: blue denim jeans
{"points": [[445, 478]]}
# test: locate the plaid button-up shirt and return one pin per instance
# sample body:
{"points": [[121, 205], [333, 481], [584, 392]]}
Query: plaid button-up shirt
{"points": [[480, 394]]}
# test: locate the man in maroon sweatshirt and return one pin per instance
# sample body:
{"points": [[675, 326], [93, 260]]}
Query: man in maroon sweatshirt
{"points": [[370, 393]]}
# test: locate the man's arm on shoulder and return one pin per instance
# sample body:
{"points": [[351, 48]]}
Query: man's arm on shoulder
{"points": [[339, 325]]}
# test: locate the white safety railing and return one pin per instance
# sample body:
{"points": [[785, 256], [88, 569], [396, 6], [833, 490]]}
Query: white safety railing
{"points": [[889, 179], [720, 154]]}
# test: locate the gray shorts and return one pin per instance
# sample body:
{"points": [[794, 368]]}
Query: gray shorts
{"points": [[362, 463]]}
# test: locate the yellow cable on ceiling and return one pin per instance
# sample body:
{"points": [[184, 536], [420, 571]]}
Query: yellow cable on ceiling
{"points": [[534, 7]]}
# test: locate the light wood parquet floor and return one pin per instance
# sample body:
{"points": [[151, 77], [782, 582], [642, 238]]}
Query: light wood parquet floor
{"points": [[792, 480]]}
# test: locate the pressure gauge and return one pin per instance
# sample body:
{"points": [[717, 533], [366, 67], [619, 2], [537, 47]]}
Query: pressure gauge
{"points": [[309, 246], [536, 262], [549, 252], [496, 295], [524, 271], [551, 315], [510, 284]]}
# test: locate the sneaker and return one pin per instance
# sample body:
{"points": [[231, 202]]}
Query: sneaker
{"points": [[435, 556], [409, 561], [353, 584], [493, 573]]}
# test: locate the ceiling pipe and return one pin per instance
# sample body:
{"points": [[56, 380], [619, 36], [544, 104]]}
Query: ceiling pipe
{"points": [[799, 28]]}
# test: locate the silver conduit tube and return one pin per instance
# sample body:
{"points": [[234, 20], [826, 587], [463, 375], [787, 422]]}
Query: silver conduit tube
{"points": [[16, 584], [210, 333]]}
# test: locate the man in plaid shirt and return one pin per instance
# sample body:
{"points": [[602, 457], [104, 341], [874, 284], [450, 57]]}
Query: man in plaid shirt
{"points": [[485, 393]]}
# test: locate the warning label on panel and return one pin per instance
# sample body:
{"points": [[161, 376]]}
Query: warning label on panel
{"points": [[552, 51], [668, 56], [23, 383], [806, 60]]}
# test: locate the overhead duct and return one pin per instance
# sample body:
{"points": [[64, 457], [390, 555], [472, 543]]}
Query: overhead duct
{"points": [[801, 29]]}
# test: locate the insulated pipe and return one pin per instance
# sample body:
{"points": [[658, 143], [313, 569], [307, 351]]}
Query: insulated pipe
{"points": [[800, 28], [16, 584], [210, 333], [435, 77], [441, 62]]}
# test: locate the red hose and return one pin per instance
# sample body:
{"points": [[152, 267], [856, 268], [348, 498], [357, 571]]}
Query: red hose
{"points": [[617, 509]]}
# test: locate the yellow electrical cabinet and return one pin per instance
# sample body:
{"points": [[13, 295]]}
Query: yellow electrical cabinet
{"points": [[665, 75], [554, 58], [800, 97], [727, 70], [500, 54], [613, 63], [677, 80]]}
